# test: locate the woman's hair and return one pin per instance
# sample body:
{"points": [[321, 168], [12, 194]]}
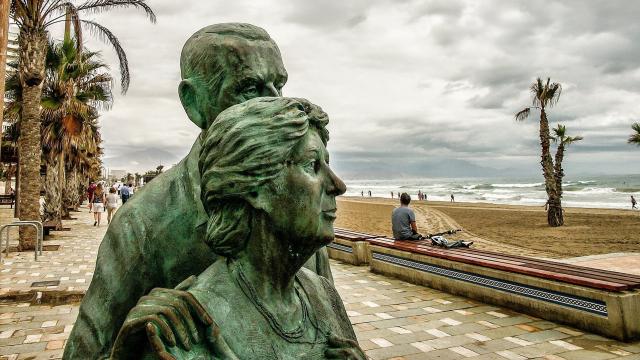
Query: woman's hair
{"points": [[112, 190], [245, 148]]}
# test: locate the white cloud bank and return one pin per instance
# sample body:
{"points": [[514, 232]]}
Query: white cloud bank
{"points": [[406, 83]]}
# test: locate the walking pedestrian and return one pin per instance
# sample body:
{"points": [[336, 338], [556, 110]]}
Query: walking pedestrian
{"points": [[369, 193], [392, 194], [112, 203], [452, 198], [90, 191], [633, 203], [125, 193], [98, 200]]}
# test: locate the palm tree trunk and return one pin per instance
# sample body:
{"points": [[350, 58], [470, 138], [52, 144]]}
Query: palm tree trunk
{"points": [[559, 171], [31, 69], [64, 213], [11, 170], [69, 192], [4, 38], [554, 206], [52, 196]]}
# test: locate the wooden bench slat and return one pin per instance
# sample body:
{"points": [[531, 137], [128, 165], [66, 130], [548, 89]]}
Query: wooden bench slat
{"points": [[593, 283], [629, 277], [573, 270]]}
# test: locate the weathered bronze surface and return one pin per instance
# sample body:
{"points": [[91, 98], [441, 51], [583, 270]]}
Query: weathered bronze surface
{"points": [[158, 239], [270, 194]]}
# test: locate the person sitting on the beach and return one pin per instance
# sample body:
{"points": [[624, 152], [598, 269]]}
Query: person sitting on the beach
{"points": [[403, 221]]}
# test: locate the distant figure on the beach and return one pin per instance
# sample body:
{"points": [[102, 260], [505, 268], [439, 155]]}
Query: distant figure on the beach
{"points": [[419, 194], [369, 193], [392, 194], [125, 193], [453, 199], [398, 194], [362, 193], [112, 203], [97, 200], [633, 202], [403, 221]]}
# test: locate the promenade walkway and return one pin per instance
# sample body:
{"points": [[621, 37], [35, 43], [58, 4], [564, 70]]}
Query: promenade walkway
{"points": [[393, 319]]}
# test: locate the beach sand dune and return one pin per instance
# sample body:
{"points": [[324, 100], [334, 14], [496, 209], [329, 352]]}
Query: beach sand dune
{"points": [[519, 230]]}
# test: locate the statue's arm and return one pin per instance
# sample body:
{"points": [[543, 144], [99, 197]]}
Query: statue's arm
{"points": [[118, 282]]}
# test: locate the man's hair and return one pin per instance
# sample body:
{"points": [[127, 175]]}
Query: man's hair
{"points": [[247, 147], [112, 190], [405, 199], [207, 53]]}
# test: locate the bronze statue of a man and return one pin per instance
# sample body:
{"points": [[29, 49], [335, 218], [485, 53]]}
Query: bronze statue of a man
{"points": [[158, 238]]}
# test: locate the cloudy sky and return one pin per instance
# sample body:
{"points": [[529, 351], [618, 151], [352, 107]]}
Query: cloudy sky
{"points": [[413, 88]]}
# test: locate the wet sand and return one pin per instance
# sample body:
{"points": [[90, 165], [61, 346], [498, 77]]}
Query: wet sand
{"points": [[513, 229]]}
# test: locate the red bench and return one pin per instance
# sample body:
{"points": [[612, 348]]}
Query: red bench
{"points": [[600, 301]]}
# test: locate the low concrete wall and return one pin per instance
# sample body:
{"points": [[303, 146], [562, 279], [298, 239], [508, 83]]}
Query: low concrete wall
{"points": [[352, 252], [612, 314]]}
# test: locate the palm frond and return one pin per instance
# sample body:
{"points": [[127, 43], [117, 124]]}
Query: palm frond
{"points": [[560, 131], [553, 94], [523, 114], [635, 138], [107, 36], [104, 5], [571, 139]]}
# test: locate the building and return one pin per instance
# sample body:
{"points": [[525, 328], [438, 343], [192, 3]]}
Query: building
{"points": [[117, 174]]}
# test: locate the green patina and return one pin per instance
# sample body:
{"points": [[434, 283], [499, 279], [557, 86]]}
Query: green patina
{"points": [[162, 236]]}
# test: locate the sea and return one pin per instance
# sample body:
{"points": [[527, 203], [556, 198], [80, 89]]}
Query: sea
{"points": [[602, 191]]}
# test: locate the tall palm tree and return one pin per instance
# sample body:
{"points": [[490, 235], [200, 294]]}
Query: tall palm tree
{"points": [[33, 18], [563, 141], [75, 88], [545, 95], [635, 138]]}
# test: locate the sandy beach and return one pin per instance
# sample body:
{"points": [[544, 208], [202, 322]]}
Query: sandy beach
{"points": [[512, 229]]}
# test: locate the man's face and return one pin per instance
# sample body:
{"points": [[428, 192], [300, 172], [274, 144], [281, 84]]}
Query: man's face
{"points": [[303, 198], [253, 69]]}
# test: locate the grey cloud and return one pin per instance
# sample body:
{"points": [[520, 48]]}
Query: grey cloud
{"points": [[422, 80]]}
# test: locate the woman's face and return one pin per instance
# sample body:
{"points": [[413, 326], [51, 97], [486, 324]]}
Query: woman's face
{"points": [[302, 205]]}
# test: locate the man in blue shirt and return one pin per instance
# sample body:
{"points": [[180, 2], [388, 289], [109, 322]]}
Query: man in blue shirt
{"points": [[124, 193], [403, 221]]}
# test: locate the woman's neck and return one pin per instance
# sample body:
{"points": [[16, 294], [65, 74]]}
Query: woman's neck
{"points": [[270, 263]]}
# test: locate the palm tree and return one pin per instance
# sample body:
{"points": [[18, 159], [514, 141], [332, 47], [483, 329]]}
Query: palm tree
{"points": [[73, 91], [546, 95], [75, 88], [33, 18], [635, 138], [563, 141]]}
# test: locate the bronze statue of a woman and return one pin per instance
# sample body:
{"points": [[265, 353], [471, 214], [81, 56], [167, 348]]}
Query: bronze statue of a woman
{"points": [[270, 194]]}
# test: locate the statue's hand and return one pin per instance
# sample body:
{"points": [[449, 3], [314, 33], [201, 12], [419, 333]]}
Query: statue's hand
{"points": [[161, 317], [345, 349]]}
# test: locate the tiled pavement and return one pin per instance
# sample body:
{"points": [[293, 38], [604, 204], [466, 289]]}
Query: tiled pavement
{"points": [[72, 264], [392, 319]]}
